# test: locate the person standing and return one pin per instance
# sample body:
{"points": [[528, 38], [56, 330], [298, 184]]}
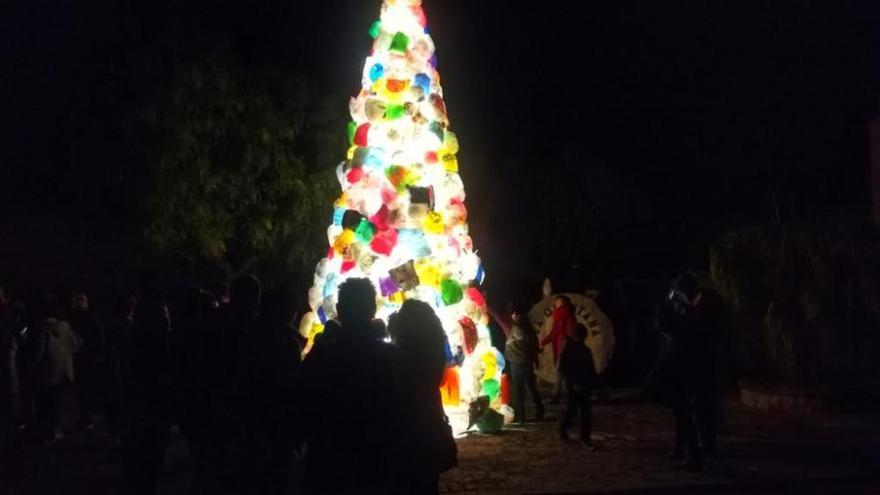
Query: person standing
{"points": [[119, 338], [577, 368], [430, 448], [521, 351], [230, 394], [707, 401], [269, 387], [354, 400], [148, 394], [680, 323], [563, 322], [193, 314], [10, 385], [56, 346], [90, 362]]}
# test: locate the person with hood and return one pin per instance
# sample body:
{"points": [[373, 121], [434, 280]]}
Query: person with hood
{"points": [[563, 322], [53, 362], [521, 351]]}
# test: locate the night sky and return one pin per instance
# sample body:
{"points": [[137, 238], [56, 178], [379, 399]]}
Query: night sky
{"points": [[708, 108]]}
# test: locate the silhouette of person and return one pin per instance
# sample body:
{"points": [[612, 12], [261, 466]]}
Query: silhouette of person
{"points": [[353, 402], [194, 316], [229, 395], [331, 331], [90, 361], [681, 323], [429, 448], [708, 306], [119, 335], [149, 401], [576, 367], [273, 355], [11, 325]]}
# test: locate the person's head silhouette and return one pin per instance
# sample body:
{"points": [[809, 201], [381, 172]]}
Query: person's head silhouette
{"points": [[417, 331], [416, 326], [357, 303], [244, 293], [686, 287]]}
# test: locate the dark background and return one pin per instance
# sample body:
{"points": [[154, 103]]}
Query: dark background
{"points": [[618, 137]]}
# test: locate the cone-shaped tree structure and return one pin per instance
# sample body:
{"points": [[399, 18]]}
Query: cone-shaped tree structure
{"points": [[401, 219]]}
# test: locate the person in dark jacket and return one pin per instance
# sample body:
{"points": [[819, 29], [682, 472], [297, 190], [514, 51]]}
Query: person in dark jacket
{"points": [[193, 315], [353, 396], [28, 340], [119, 337], [149, 400], [707, 401], [11, 322], [577, 368], [227, 382], [90, 362], [521, 351], [430, 448], [681, 323], [273, 354]]}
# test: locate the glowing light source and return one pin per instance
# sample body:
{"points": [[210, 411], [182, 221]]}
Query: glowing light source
{"points": [[400, 220]]}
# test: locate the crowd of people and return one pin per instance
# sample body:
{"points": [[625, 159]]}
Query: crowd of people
{"points": [[364, 403], [683, 377], [363, 406]]}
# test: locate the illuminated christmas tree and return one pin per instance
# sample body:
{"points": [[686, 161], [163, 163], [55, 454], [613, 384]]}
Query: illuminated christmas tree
{"points": [[401, 219]]}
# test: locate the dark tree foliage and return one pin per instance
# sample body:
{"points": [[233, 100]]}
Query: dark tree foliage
{"points": [[241, 178], [803, 300]]}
